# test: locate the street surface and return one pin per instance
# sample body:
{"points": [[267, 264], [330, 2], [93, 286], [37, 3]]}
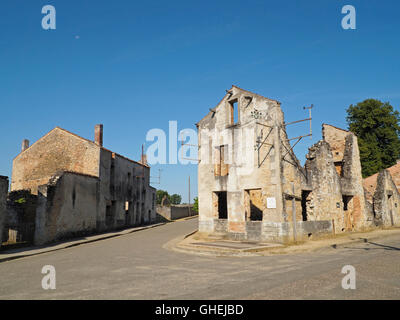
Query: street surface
{"points": [[136, 266]]}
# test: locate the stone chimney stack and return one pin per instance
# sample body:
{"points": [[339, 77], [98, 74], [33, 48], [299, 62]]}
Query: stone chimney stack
{"points": [[98, 134], [143, 158], [25, 145]]}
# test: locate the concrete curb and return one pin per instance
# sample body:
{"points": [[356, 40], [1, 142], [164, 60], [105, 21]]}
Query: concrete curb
{"points": [[176, 245], [4, 256], [184, 219]]}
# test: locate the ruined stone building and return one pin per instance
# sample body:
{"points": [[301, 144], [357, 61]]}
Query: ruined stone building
{"points": [[370, 182], [64, 185], [344, 190], [251, 185], [383, 193]]}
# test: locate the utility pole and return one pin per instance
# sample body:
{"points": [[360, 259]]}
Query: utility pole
{"points": [[190, 213], [294, 214]]}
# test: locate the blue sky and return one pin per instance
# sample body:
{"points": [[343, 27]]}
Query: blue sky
{"points": [[135, 65]]}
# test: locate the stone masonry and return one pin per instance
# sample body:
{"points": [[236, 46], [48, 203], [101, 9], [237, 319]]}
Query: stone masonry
{"points": [[386, 201], [81, 186], [252, 186]]}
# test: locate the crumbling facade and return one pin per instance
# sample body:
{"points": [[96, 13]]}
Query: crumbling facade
{"points": [[81, 187], [252, 186], [370, 183], [386, 201], [334, 169]]}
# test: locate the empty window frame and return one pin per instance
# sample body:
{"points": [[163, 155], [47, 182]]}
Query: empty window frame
{"points": [[221, 165], [234, 111]]}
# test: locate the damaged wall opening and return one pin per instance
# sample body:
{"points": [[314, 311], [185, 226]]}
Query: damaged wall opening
{"points": [[305, 203], [221, 165], [234, 111], [339, 168], [254, 205], [347, 202], [222, 204]]}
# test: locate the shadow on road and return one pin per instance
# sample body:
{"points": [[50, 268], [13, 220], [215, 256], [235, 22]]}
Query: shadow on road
{"points": [[378, 246]]}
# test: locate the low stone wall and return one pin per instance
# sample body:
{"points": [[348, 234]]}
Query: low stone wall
{"points": [[3, 199], [67, 207], [19, 225], [174, 212], [221, 225], [271, 231], [206, 226]]}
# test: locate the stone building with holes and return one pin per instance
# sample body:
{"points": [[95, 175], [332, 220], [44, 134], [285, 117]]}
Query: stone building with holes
{"points": [[251, 185], [383, 193], [79, 187], [335, 188]]}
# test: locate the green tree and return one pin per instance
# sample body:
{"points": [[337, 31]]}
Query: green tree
{"points": [[196, 205], [160, 195], [175, 199], [376, 125]]}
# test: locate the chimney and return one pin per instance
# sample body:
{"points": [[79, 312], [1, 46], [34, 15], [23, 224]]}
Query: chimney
{"points": [[25, 145], [98, 134], [143, 158]]}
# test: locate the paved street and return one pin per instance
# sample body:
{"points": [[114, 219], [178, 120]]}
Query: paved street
{"points": [[136, 266]]}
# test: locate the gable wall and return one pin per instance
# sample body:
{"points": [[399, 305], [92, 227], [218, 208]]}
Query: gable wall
{"points": [[59, 150]]}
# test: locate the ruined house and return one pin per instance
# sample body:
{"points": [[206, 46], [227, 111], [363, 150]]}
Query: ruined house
{"points": [[343, 190], [76, 187], [382, 192], [251, 185], [370, 182], [386, 201]]}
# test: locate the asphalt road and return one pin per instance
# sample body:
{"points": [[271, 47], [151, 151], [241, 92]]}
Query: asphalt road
{"points": [[136, 266]]}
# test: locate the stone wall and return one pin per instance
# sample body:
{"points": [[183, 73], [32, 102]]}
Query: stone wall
{"points": [[386, 201], [326, 192], [335, 137], [326, 195], [19, 226], [369, 183], [58, 150], [260, 165], [280, 232], [127, 197], [3, 198], [305, 230], [173, 212], [358, 216], [67, 207]]}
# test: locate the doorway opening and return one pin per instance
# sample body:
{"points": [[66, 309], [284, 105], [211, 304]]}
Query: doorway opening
{"points": [[222, 204]]}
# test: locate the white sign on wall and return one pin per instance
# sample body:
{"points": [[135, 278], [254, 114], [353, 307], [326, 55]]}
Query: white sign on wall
{"points": [[271, 203]]}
